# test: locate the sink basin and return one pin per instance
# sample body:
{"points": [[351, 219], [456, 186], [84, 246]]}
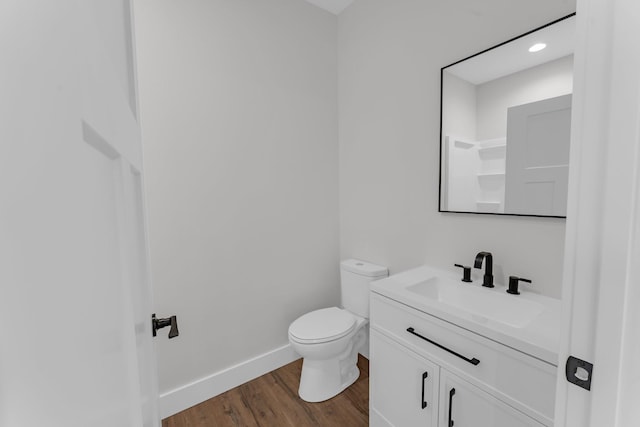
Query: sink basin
{"points": [[481, 303]]}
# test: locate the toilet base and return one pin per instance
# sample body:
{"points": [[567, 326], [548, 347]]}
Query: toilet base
{"points": [[321, 380]]}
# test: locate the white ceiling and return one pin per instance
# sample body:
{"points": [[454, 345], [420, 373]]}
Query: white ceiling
{"points": [[333, 6], [513, 57]]}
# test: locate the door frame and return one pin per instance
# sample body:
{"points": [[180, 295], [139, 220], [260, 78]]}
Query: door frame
{"points": [[603, 219]]}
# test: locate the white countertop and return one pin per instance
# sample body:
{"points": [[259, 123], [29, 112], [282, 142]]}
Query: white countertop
{"points": [[538, 338]]}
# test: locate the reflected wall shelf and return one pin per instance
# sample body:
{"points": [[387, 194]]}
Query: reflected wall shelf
{"points": [[488, 206], [491, 175], [493, 150]]}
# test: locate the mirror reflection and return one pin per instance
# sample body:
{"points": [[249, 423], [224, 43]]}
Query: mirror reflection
{"points": [[505, 126]]}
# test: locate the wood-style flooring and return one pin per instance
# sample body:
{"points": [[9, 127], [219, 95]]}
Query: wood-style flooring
{"points": [[272, 401]]}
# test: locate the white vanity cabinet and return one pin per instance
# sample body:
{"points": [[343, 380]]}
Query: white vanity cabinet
{"points": [[462, 404], [405, 384], [471, 380]]}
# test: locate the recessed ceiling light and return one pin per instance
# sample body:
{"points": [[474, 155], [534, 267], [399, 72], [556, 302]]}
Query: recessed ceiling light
{"points": [[537, 47]]}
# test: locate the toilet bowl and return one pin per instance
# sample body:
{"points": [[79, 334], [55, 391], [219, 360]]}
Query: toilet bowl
{"points": [[329, 339]]}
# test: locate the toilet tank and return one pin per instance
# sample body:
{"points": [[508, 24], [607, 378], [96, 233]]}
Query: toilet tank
{"points": [[355, 276]]}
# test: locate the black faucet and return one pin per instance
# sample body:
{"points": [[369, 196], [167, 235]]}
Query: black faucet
{"points": [[513, 284], [488, 272]]}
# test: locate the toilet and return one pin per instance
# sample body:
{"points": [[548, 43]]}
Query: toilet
{"points": [[329, 339]]}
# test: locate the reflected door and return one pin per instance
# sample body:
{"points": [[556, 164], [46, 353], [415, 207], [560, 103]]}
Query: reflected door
{"points": [[75, 304], [537, 163]]}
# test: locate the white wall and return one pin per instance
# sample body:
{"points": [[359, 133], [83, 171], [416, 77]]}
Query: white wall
{"points": [[548, 80], [390, 55], [458, 164], [459, 108], [239, 116]]}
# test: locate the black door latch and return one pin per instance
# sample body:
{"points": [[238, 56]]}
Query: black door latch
{"points": [[163, 323], [579, 372]]}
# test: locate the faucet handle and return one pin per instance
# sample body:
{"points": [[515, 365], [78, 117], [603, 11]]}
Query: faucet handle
{"points": [[513, 284], [466, 275]]}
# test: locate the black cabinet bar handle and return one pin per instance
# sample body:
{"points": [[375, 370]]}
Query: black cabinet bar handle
{"points": [[424, 377], [473, 361], [451, 393]]}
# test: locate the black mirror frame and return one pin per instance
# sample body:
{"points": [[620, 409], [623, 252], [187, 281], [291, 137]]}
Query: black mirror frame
{"points": [[440, 141]]}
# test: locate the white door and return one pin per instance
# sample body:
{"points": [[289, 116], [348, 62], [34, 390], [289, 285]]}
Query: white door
{"points": [[75, 300], [601, 293], [404, 386], [537, 164], [465, 405]]}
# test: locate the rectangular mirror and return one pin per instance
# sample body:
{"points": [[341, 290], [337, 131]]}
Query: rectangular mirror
{"points": [[505, 126]]}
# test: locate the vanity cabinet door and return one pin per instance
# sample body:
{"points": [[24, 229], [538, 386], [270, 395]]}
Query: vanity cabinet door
{"points": [[403, 386], [465, 405]]}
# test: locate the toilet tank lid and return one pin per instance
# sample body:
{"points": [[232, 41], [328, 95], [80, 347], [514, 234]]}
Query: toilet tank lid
{"points": [[364, 268]]}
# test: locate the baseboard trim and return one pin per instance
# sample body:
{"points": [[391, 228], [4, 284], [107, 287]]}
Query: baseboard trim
{"points": [[188, 395]]}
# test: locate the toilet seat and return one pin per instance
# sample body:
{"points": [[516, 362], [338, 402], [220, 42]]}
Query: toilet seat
{"points": [[320, 326]]}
